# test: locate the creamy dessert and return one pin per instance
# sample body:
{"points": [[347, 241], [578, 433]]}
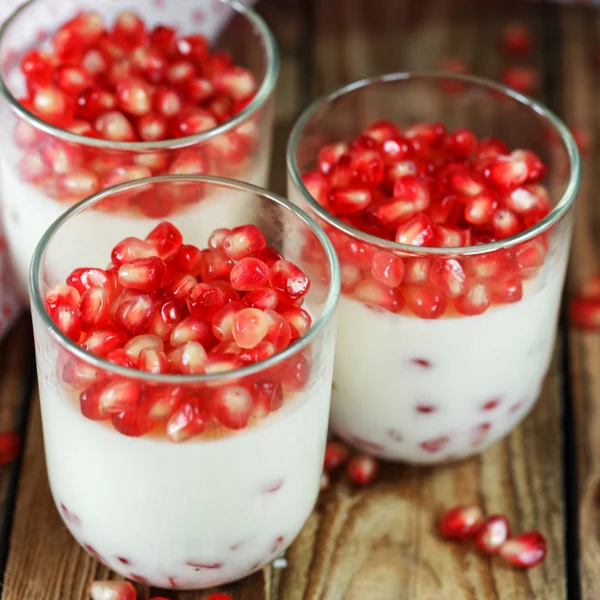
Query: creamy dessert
{"points": [[438, 354], [184, 485]]}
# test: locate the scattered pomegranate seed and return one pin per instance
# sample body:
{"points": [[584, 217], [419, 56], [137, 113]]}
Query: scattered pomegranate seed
{"points": [[112, 590], [493, 533], [461, 522], [10, 445], [336, 454], [362, 469], [522, 79], [219, 597], [585, 312], [583, 139], [525, 550], [517, 39]]}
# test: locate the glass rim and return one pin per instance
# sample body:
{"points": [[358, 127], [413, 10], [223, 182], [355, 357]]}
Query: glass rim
{"points": [[557, 212], [327, 312], [260, 98]]}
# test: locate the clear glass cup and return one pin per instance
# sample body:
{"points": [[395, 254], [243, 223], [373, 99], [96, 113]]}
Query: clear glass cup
{"points": [[218, 506], [420, 380], [45, 169]]}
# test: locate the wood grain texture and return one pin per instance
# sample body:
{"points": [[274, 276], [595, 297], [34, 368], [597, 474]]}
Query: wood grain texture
{"points": [[580, 30], [379, 543]]}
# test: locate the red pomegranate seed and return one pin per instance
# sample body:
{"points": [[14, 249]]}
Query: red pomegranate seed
{"points": [[134, 96], [525, 550], [94, 62], [367, 167], [81, 127], [103, 340], [78, 184], [447, 236], [131, 249], [267, 396], [163, 38], [506, 223], [480, 209], [129, 30], [114, 126], [190, 358], [475, 301], [417, 232], [191, 329], [151, 62], [235, 82], [522, 79], [295, 374], [351, 276], [68, 321], [462, 142], [179, 289], [215, 265], [424, 301], [136, 344], [590, 288], [33, 169], [180, 72], [411, 188], [94, 308], [493, 533], [146, 274], [507, 172], [529, 256], [507, 290], [387, 268], [362, 470], [166, 317], [465, 183], [249, 274], [336, 454], [38, 67], [53, 105], [289, 281], [222, 322], [10, 445], [62, 158], [391, 214], [89, 402], [348, 200], [431, 134], [517, 39], [152, 128], [232, 406], [240, 242], [262, 298], [119, 357], [195, 47], [317, 186], [62, 295], [279, 332], [132, 423], [93, 102], [153, 361], [449, 276], [167, 102], [416, 270], [377, 294], [249, 327], [585, 312], [222, 362], [27, 136], [186, 422], [381, 131], [119, 396], [297, 317], [205, 301], [112, 590], [72, 80], [166, 238], [461, 522], [135, 315]]}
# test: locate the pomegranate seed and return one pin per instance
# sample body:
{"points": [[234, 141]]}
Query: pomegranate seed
{"points": [[163, 38], [447, 236], [167, 102], [279, 332], [506, 223], [517, 39], [27, 136], [329, 156], [205, 301], [10, 445], [215, 265], [376, 294], [367, 167], [590, 287], [180, 72], [199, 90], [240, 242], [68, 321], [119, 357], [134, 96], [112, 590], [94, 308], [192, 329], [153, 361], [94, 63], [93, 102], [449, 276], [416, 232], [78, 184], [79, 374], [186, 422], [348, 200], [220, 107], [381, 131], [103, 340], [295, 374], [525, 550], [465, 183], [416, 270], [119, 396], [53, 106], [336, 454], [475, 301], [462, 142], [38, 67], [288, 281], [150, 62], [222, 322], [33, 169], [493, 533], [235, 82], [179, 289], [362, 470], [507, 172], [62, 295], [262, 298], [268, 255], [506, 291], [114, 126], [190, 358], [221, 363], [522, 79], [530, 256], [129, 30], [267, 397], [391, 214], [166, 317], [89, 402], [146, 274], [249, 327], [297, 317], [461, 522], [585, 313], [351, 276], [166, 238], [387, 268], [152, 128], [62, 158], [424, 301], [480, 209], [136, 344], [135, 315], [132, 423], [131, 249], [195, 47], [232, 406], [72, 80], [249, 274]]}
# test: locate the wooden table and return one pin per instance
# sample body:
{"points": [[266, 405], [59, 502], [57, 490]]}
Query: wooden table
{"points": [[380, 544]]}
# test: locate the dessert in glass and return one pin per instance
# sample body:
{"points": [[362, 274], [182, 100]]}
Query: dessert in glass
{"points": [[185, 387], [95, 94], [448, 199]]}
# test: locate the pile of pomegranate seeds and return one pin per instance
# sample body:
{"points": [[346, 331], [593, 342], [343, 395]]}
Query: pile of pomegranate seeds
{"points": [[362, 469], [584, 308], [129, 83], [123, 590], [492, 535], [163, 306], [429, 187]]}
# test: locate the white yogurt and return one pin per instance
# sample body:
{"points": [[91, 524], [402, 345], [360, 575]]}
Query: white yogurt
{"points": [[190, 515], [28, 213], [482, 374]]}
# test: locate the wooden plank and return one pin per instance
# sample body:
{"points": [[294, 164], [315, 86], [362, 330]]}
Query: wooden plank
{"points": [[378, 543], [578, 96]]}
